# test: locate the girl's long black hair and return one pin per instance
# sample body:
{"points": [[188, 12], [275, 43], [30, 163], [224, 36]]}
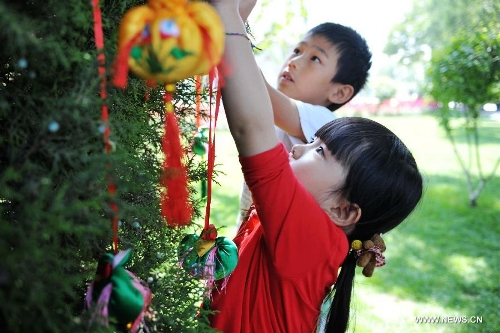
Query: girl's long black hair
{"points": [[383, 179]]}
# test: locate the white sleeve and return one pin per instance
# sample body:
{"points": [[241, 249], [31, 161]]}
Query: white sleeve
{"points": [[312, 117]]}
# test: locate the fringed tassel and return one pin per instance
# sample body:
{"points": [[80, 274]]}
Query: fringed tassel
{"points": [[101, 308], [209, 270], [147, 296], [174, 199], [103, 301]]}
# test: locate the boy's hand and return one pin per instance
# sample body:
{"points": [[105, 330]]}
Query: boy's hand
{"points": [[246, 7]]}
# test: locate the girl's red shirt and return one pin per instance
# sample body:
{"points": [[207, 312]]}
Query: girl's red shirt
{"points": [[289, 255]]}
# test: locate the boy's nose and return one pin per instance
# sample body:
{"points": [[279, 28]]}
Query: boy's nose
{"points": [[294, 62]]}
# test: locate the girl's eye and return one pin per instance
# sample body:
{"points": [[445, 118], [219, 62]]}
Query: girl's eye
{"points": [[296, 51], [316, 59], [320, 151]]}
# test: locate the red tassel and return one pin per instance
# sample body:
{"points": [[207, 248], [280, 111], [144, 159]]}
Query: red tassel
{"points": [[174, 200], [121, 65]]}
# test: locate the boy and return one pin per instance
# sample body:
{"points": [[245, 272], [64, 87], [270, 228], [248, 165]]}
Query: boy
{"points": [[325, 70]]}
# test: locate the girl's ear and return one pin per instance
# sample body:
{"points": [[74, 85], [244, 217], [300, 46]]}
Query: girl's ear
{"points": [[340, 93], [345, 215]]}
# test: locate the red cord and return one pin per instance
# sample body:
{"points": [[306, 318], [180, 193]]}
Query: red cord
{"points": [[211, 141], [99, 43]]}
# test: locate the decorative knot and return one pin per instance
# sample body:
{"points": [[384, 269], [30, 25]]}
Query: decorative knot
{"points": [[209, 234]]}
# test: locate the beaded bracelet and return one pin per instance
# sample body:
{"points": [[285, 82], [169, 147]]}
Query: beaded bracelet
{"points": [[244, 36]]}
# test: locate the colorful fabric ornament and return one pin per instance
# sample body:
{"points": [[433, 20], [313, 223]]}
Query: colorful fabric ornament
{"points": [[207, 256], [116, 295], [167, 41]]}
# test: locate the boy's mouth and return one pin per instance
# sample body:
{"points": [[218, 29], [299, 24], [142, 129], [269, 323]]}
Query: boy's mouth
{"points": [[286, 76]]}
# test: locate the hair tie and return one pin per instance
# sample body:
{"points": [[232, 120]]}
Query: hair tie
{"points": [[379, 257], [369, 254]]}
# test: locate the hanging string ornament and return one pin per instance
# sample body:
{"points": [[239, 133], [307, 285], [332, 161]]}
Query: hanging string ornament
{"points": [[115, 295], [167, 41], [207, 256]]}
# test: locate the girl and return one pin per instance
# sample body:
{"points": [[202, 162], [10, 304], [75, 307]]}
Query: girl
{"points": [[355, 179]]}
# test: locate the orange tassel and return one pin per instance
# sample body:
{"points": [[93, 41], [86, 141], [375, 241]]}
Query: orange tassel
{"points": [[174, 199]]}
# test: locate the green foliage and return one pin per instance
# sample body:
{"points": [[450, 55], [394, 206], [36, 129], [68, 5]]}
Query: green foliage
{"points": [[467, 70], [428, 23], [54, 212], [294, 13], [385, 88]]}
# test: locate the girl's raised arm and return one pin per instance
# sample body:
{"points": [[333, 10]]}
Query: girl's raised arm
{"points": [[244, 94]]}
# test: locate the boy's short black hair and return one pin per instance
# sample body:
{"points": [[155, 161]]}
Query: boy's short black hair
{"points": [[354, 55]]}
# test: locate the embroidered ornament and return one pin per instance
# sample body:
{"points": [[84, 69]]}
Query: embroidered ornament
{"points": [[167, 41], [116, 295], [207, 256]]}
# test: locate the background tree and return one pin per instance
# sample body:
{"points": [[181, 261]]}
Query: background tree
{"points": [[54, 212], [428, 24], [467, 72], [456, 45], [384, 88]]}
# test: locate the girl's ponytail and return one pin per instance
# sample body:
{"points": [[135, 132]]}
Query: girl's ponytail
{"points": [[338, 317], [378, 163]]}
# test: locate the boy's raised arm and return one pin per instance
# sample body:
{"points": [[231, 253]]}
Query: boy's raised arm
{"points": [[244, 94], [286, 114]]}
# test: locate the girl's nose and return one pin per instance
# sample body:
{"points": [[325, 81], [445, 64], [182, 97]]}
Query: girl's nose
{"points": [[297, 151]]}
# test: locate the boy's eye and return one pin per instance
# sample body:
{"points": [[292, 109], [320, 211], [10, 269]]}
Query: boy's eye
{"points": [[296, 51], [316, 59]]}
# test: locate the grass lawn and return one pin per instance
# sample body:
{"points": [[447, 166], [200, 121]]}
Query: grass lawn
{"points": [[442, 262]]}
